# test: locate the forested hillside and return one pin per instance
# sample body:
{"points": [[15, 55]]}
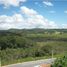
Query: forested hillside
{"points": [[16, 45]]}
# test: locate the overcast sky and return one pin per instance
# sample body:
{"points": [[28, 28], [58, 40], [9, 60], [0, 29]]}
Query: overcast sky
{"points": [[33, 14]]}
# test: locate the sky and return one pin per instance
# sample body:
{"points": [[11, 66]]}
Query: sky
{"points": [[28, 14]]}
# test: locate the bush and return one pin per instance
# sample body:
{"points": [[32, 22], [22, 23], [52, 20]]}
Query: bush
{"points": [[60, 62]]}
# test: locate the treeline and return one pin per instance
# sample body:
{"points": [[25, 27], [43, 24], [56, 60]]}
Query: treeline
{"points": [[15, 42], [30, 31]]}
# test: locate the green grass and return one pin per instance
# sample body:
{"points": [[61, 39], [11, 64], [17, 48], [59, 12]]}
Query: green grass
{"points": [[46, 35], [19, 61], [24, 60], [0, 63], [30, 59]]}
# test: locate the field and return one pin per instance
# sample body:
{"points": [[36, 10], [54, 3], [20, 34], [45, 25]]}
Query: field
{"points": [[26, 45]]}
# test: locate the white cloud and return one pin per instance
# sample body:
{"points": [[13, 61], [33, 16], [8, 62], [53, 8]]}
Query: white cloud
{"points": [[29, 19], [7, 3], [47, 3], [64, 26], [52, 24], [35, 19], [14, 21], [27, 11]]}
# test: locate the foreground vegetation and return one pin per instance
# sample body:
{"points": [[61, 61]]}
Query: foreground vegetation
{"points": [[60, 62], [25, 45]]}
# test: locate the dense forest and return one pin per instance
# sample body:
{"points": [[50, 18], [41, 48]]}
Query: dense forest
{"points": [[16, 44]]}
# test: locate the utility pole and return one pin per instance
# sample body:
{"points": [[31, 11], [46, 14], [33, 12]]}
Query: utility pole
{"points": [[52, 53]]}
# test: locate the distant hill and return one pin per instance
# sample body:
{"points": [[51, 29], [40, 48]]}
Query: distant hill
{"points": [[36, 30]]}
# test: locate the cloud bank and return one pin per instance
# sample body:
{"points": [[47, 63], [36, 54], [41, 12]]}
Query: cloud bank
{"points": [[29, 18], [7, 3]]}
